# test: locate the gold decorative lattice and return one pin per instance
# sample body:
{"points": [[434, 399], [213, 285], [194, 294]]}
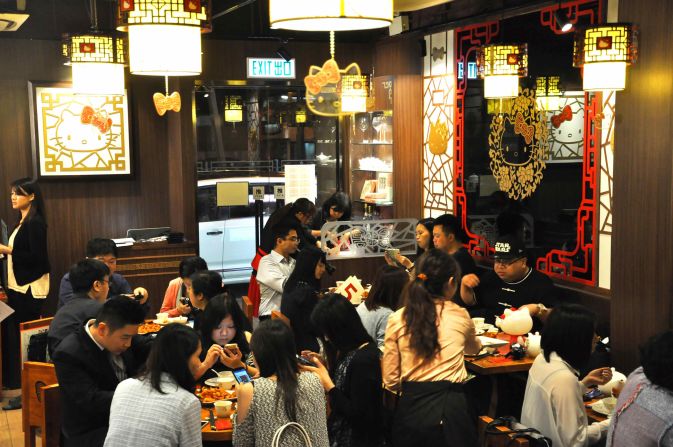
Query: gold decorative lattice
{"points": [[93, 47], [164, 12], [518, 146], [606, 43]]}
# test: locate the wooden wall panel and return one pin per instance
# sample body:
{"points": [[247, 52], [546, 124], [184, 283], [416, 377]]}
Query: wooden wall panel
{"points": [[79, 210], [642, 242]]}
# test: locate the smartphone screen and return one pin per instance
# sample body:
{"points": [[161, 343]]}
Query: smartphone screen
{"points": [[242, 375]]}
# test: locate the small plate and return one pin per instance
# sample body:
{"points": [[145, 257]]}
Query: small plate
{"points": [[479, 331], [160, 323], [600, 407], [488, 341]]}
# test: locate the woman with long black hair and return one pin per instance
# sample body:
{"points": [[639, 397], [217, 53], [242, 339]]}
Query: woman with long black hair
{"points": [[300, 297], [425, 344], [280, 395], [336, 207], [223, 323], [27, 273], [353, 382]]}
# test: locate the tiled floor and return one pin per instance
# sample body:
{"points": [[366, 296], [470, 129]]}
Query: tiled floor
{"points": [[11, 434]]}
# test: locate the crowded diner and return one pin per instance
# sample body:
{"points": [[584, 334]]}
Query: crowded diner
{"points": [[336, 223]]}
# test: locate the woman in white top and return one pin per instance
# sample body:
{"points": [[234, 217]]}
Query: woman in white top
{"points": [[553, 401], [159, 408], [27, 272]]}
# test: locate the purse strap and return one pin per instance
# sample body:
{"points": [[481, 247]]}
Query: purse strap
{"points": [[279, 433]]}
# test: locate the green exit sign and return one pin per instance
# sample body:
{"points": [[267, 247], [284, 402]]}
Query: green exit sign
{"points": [[263, 68]]}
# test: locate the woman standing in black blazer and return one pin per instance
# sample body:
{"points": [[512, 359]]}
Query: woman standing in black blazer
{"points": [[27, 273]]}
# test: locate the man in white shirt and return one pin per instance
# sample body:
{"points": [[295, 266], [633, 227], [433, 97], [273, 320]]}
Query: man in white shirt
{"points": [[275, 268]]}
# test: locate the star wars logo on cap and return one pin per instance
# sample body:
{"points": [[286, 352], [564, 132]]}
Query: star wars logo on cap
{"points": [[502, 247]]}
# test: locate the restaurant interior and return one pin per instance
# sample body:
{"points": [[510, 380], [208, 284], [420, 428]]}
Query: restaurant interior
{"points": [[475, 108]]}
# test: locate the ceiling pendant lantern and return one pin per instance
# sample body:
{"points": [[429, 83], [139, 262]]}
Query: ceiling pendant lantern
{"points": [[97, 60], [604, 51], [501, 66], [330, 15], [353, 93], [233, 109], [164, 35]]}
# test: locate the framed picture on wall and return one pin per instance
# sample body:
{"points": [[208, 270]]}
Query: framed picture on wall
{"points": [[77, 135]]}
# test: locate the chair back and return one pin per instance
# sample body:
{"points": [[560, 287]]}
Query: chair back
{"points": [[248, 308], [278, 315], [35, 377]]}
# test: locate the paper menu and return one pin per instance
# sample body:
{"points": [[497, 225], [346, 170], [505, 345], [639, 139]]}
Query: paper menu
{"points": [[352, 289]]}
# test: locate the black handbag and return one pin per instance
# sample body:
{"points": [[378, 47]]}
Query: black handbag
{"points": [[37, 347], [533, 436]]}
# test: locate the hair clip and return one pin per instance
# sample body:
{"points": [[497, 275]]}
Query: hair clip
{"points": [[422, 276]]}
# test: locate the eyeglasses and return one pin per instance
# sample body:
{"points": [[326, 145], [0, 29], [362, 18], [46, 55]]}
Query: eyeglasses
{"points": [[507, 263], [292, 238]]}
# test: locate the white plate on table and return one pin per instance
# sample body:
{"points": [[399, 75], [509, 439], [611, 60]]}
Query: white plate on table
{"points": [[606, 409], [488, 341]]}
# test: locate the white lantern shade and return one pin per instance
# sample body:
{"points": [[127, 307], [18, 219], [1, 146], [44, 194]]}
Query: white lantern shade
{"points": [[501, 86], [604, 76], [330, 15], [233, 116], [164, 50], [94, 78], [353, 103]]}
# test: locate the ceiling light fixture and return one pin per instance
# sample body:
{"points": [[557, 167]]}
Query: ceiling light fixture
{"points": [[164, 35], [604, 52], [501, 66], [330, 15], [97, 59]]}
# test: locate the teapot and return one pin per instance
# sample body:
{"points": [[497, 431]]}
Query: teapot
{"points": [[617, 377], [515, 321], [533, 347]]}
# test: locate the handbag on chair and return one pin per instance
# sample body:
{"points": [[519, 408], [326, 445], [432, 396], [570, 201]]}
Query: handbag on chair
{"points": [[533, 436], [300, 428]]}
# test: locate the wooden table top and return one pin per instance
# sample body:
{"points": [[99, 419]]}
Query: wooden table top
{"points": [[209, 434], [498, 364]]}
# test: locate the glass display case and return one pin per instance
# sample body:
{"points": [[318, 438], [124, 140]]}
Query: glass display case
{"points": [[370, 159]]}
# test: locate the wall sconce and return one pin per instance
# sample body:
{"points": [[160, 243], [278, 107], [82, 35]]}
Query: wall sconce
{"points": [[562, 20], [233, 109], [604, 52], [97, 60], [330, 15], [547, 91], [164, 35], [353, 93], [501, 66]]}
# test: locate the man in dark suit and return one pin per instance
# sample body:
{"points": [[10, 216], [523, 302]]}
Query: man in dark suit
{"points": [[90, 363], [90, 279]]}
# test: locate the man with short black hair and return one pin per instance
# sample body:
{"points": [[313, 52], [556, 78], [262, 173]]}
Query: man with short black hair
{"points": [[448, 235], [645, 405], [511, 283], [90, 363], [104, 250], [275, 268], [90, 279]]}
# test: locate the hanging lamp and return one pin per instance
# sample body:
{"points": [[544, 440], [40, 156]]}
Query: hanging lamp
{"points": [[330, 15], [501, 66], [97, 59], [353, 93], [604, 52], [164, 35]]}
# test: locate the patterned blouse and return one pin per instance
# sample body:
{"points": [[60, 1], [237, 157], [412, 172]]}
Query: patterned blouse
{"points": [[266, 415]]}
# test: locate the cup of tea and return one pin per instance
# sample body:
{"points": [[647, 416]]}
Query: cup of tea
{"points": [[223, 408], [478, 322], [162, 317]]}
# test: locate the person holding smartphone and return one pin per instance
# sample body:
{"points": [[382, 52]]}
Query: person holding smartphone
{"points": [[176, 300], [225, 338]]}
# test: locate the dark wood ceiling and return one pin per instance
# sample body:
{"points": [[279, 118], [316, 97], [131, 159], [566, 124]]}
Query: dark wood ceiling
{"points": [[49, 19]]}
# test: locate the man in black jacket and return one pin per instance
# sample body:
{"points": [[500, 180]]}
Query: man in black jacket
{"points": [[90, 363], [90, 279]]}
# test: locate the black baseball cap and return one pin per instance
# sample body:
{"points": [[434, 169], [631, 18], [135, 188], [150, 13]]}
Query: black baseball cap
{"points": [[509, 247]]}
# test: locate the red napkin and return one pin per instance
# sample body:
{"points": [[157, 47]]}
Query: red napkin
{"points": [[223, 424]]}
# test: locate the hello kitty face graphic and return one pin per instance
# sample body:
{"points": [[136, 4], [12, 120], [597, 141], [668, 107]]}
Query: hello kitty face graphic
{"points": [[566, 129], [83, 132]]}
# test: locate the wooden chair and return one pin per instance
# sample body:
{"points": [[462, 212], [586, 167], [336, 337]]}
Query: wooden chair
{"points": [[490, 440], [41, 404], [278, 315], [247, 308]]}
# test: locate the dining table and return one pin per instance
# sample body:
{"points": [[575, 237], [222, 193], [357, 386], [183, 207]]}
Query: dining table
{"points": [[495, 364], [207, 432]]}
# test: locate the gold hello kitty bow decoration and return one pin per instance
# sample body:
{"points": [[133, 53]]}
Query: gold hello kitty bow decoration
{"points": [[164, 103], [323, 87]]}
